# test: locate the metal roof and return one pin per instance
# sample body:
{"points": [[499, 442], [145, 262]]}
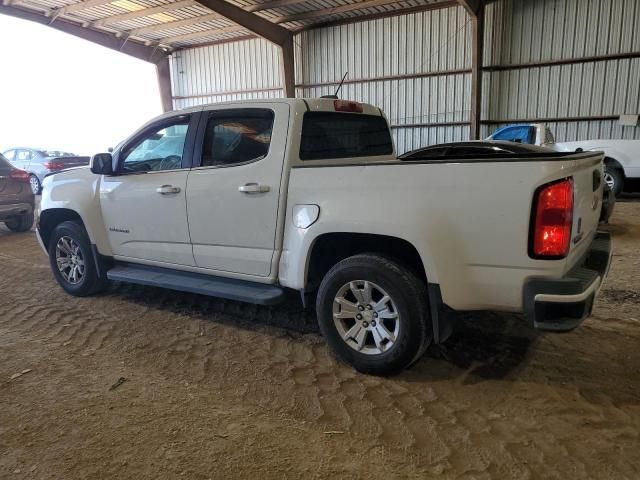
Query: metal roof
{"points": [[175, 24]]}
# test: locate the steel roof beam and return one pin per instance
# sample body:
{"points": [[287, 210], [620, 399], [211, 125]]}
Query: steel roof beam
{"points": [[472, 6], [254, 23]]}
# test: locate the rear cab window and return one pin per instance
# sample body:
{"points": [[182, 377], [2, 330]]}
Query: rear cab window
{"points": [[332, 135]]}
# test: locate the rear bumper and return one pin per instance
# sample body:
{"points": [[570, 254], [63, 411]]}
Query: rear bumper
{"points": [[562, 304]]}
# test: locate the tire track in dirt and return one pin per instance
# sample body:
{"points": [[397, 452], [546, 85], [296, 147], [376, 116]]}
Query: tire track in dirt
{"points": [[484, 417]]}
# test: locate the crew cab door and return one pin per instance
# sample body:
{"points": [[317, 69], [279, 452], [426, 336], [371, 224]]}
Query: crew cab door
{"points": [[234, 190], [144, 203]]}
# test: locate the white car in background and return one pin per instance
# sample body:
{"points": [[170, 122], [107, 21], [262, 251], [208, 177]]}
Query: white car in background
{"points": [[622, 157]]}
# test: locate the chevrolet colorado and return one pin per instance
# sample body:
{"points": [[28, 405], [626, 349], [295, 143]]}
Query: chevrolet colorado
{"points": [[247, 200]]}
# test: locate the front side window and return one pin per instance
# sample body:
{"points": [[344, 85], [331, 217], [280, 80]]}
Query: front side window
{"points": [[237, 136], [328, 135], [158, 149]]}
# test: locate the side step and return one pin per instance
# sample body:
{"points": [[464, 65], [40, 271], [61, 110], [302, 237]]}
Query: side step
{"points": [[231, 289]]}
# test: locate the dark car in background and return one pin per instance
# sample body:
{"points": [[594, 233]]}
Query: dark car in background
{"points": [[497, 148], [17, 201], [40, 163]]}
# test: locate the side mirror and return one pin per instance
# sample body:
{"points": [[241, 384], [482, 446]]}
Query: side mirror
{"points": [[102, 164], [110, 149]]}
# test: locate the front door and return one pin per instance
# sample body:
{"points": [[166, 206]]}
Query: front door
{"points": [[144, 204], [234, 192]]}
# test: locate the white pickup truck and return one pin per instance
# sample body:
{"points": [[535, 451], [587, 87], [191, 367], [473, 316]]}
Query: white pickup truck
{"points": [[621, 157], [247, 200]]}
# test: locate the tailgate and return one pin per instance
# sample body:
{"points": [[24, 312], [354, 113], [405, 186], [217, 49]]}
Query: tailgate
{"points": [[588, 182]]}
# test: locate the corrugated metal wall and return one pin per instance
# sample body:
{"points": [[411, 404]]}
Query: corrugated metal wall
{"points": [[416, 68], [526, 31], [224, 72], [411, 66]]}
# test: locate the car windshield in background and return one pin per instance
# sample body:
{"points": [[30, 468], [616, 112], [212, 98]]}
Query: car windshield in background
{"points": [[327, 135]]}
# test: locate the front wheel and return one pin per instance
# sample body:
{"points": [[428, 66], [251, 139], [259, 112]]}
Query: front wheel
{"points": [[72, 260], [614, 179], [374, 314]]}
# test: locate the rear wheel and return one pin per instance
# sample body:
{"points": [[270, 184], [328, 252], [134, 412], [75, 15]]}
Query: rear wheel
{"points": [[34, 182], [72, 260], [20, 223], [374, 314], [614, 179]]}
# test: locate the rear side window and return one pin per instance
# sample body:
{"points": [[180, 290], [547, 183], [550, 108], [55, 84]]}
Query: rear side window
{"points": [[327, 135], [237, 136]]}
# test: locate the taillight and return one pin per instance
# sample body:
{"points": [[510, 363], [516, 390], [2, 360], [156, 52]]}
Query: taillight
{"points": [[53, 165], [552, 219], [20, 175], [347, 106]]}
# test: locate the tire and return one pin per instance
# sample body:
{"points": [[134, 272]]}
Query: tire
{"points": [[36, 186], [369, 353], [72, 237], [22, 223], [614, 178]]}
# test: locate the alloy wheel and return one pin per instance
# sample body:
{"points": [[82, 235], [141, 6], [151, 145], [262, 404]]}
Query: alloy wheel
{"points": [[70, 260], [366, 317]]}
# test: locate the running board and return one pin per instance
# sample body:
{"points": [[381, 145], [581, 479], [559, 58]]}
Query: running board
{"points": [[228, 288]]}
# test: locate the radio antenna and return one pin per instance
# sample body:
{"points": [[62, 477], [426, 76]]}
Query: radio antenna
{"points": [[340, 86]]}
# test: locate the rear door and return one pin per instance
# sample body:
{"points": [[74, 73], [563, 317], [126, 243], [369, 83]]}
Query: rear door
{"points": [[234, 189]]}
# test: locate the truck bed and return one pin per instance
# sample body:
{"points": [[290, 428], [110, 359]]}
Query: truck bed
{"points": [[476, 211]]}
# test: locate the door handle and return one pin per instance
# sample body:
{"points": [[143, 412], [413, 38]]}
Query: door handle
{"points": [[168, 190], [254, 188]]}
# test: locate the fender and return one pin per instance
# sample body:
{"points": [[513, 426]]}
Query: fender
{"points": [[78, 191], [299, 243]]}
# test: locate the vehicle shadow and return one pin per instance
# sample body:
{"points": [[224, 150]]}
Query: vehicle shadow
{"points": [[484, 346]]}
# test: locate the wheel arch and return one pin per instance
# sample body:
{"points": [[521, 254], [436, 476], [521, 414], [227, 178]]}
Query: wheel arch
{"points": [[328, 249], [610, 161], [51, 218]]}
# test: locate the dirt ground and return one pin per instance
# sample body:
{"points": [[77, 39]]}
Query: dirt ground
{"points": [[219, 389]]}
